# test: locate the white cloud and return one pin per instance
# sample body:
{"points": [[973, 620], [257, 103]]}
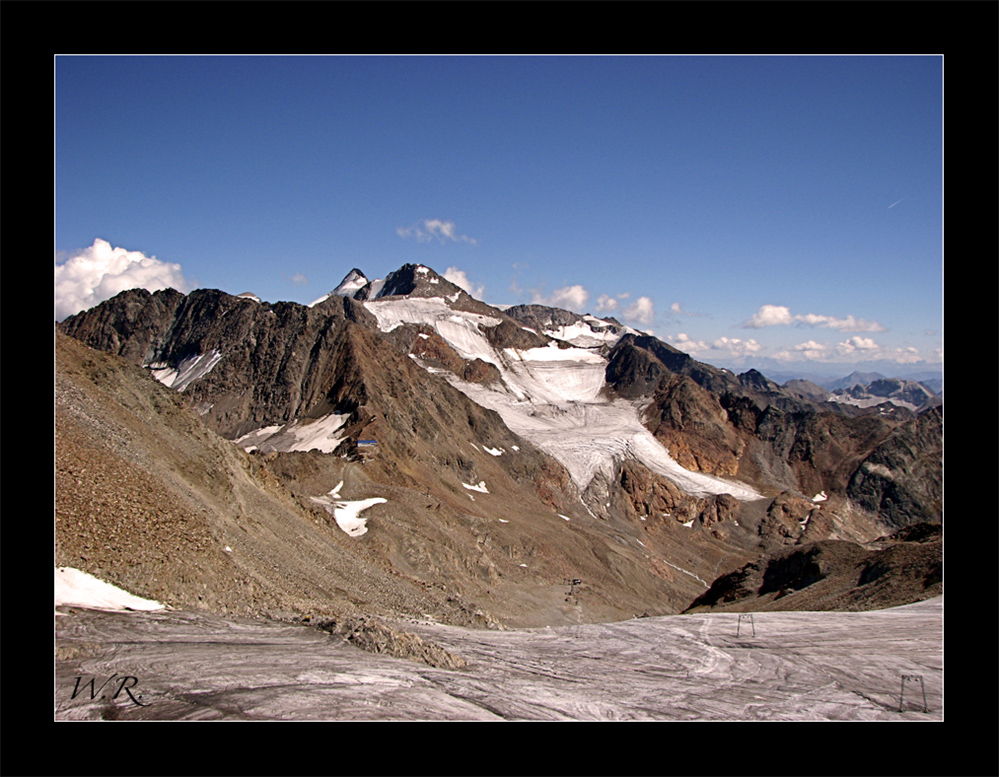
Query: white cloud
{"points": [[736, 346], [642, 310], [855, 344], [99, 272], [606, 303], [849, 351], [810, 350], [848, 324], [780, 315], [569, 297], [683, 342], [459, 278], [430, 229], [299, 279], [770, 315]]}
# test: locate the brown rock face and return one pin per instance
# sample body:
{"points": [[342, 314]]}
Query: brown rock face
{"points": [[785, 519], [694, 427]]}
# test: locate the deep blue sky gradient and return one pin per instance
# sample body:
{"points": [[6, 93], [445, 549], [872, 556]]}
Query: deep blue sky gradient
{"points": [[720, 184]]}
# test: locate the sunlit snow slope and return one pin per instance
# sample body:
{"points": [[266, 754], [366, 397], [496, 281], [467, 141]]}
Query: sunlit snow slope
{"points": [[554, 397]]}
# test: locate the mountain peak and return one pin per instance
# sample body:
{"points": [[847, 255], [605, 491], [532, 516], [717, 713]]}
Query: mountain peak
{"points": [[410, 280], [415, 280], [351, 283]]}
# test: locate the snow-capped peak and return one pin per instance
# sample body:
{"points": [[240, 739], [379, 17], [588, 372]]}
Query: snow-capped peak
{"points": [[416, 280], [352, 283], [410, 280]]}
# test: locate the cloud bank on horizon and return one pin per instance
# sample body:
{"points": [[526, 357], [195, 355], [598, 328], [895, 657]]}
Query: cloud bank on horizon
{"points": [[780, 315]]}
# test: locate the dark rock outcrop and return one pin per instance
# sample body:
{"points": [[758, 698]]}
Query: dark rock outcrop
{"points": [[835, 575], [901, 480]]}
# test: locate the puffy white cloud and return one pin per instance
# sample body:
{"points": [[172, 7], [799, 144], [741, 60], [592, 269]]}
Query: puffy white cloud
{"points": [[459, 278], [849, 351], [770, 315], [855, 344], [642, 311], [431, 229], [684, 343], [99, 272], [848, 324], [606, 303], [732, 346], [736, 346], [780, 315], [569, 297], [810, 350]]}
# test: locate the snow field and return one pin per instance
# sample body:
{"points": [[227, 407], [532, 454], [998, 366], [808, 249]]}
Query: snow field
{"points": [[78, 589]]}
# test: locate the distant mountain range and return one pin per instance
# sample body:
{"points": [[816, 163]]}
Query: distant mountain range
{"points": [[398, 446], [831, 376]]}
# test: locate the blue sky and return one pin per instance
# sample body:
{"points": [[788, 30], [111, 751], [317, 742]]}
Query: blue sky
{"points": [[777, 211]]}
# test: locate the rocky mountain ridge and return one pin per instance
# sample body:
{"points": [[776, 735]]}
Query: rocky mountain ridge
{"points": [[529, 438]]}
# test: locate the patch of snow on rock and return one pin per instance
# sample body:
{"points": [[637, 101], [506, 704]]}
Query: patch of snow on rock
{"points": [[480, 487], [188, 371], [299, 435], [348, 513], [78, 589]]}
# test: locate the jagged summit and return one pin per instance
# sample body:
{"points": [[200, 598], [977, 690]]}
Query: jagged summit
{"points": [[413, 280], [351, 284], [410, 280]]}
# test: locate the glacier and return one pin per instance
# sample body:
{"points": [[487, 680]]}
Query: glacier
{"points": [[555, 397]]}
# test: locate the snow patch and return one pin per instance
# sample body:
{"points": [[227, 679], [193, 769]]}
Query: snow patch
{"points": [[75, 588], [592, 332], [347, 513], [299, 435], [554, 397], [187, 371], [480, 487], [461, 330]]}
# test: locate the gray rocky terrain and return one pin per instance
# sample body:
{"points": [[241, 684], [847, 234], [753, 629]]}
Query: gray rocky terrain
{"points": [[788, 666]]}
